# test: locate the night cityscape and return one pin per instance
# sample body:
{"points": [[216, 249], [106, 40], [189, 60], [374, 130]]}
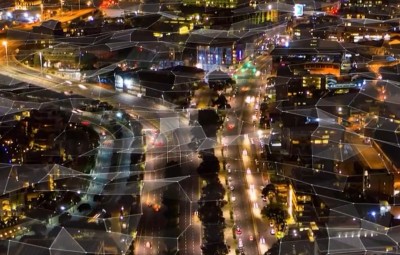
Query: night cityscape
{"points": [[215, 127]]}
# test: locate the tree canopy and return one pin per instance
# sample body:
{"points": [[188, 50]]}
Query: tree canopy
{"points": [[276, 212]]}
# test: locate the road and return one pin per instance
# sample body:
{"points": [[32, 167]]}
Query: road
{"points": [[105, 172], [242, 147], [148, 110], [152, 228]]}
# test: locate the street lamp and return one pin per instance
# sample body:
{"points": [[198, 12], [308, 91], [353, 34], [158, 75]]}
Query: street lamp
{"points": [[5, 44], [41, 62], [61, 6]]}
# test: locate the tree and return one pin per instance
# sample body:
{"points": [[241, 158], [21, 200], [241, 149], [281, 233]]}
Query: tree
{"points": [[39, 229], [213, 191], [64, 218], [210, 121], [215, 249], [171, 195], [209, 167], [268, 190], [276, 212], [213, 233], [172, 251], [210, 212], [172, 169], [84, 207], [87, 60], [170, 200], [126, 200]]}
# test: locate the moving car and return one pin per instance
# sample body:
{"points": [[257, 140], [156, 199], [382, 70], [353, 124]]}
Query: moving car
{"points": [[240, 243], [148, 245]]}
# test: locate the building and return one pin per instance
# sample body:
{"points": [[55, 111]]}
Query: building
{"points": [[368, 9], [49, 27], [229, 4], [171, 84], [218, 48], [27, 4]]}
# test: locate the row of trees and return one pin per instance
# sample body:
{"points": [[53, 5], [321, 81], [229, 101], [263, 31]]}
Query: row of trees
{"points": [[274, 210], [210, 206], [171, 201]]}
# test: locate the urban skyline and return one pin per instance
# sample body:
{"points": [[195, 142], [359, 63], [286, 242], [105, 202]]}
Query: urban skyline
{"points": [[199, 127]]}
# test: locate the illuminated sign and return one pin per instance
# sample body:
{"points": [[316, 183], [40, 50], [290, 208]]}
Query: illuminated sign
{"points": [[298, 10]]}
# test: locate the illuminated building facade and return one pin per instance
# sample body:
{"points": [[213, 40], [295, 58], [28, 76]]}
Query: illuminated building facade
{"points": [[26, 4], [364, 3], [208, 56], [373, 9], [213, 3]]}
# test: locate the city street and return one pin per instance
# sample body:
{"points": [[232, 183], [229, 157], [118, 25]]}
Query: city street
{"points": [[152, 230], [241, 149], [199, 127]]}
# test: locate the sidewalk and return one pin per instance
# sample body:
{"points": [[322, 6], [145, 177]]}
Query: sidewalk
{"points": [[227, 209]]}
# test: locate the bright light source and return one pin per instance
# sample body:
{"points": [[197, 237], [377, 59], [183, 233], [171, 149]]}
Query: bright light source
{"points": [[81, 86], [298, 10]]}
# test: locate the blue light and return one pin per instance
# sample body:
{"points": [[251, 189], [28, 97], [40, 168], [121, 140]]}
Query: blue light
{"points": [[373, 213]]}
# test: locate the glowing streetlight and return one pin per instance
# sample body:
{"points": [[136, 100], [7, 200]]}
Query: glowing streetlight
{"points": [[41, 62], [5, 44]]}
